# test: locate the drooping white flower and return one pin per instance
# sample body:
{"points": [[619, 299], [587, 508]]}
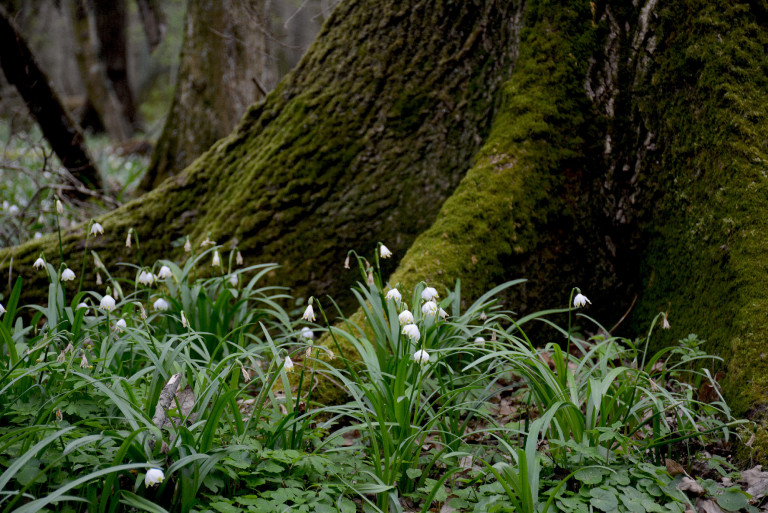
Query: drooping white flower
{"points": [[412, 332], [288, 364], [216, 260], [13, 210], [581, 300], [429, 294], [39, 263], [384, 251], [395, 295], [154, 477], [406, 317], [82, 305], [165, 272], [107, 303], [429, 309], [98, 279], [483, 317], [120, 325], [2, 310], [84, 362], [207, 242], [187, 246], [59, 207], [37, 235], [161, 304], [665, 322], [309, 314], [146, 278], [67, 275], [307, 333], [346, 262], [421, 356], [184, 322], [96, 229], [480, 341], [128, 240], [442, 313], [233, 280], [239, 259]]}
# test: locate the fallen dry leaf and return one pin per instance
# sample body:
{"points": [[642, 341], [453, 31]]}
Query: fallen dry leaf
{"points": [[674, 468], [690, 485], [707, 506], [756, 480]]}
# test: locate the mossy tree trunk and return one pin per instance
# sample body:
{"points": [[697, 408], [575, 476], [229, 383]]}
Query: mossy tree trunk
{"points": [[614, 146], [224, 64]]}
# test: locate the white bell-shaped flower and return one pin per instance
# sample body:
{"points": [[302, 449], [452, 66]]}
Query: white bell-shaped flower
{"points": [[395, 295], [429, 309], [161, 304], [68, 275], [580, 300], [429, 294], [421, 356], [307, 333], [412, 332], [165, 272], [39, 263], [384, 251], [107, 303], [288, 364], [405, 317], [154, 477], [120, 325], [96, 229], [216, 260], [309, 314]]}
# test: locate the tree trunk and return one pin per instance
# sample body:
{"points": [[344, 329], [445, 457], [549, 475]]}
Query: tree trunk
{"points": [[111, 22], [101, 94], [153, 21], [626, 156], [224, 64], [63, 134]]}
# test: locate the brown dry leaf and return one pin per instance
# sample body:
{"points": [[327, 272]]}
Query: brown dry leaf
{"points": [[674, 468], [505, 408], [690, 485], [707, 506], [446, 508], [756, 480], [546, 357]]}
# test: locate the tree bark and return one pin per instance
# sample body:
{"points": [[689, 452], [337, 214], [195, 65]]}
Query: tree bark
{"points": [[224, 66], [153, 21], [99, 88], [626, 156], [63, 134], [111, 22]]}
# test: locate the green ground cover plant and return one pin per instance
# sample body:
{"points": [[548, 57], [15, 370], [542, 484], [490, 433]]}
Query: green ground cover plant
{"points": [[192, 386]]}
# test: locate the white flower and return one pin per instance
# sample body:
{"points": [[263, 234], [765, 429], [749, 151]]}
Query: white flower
{"points": [[38, 235], [346, 262], [442, 313], [83, 362], [98, 279], [421, 356], [395, 295], [59, 207], [128, 240], [39, 263], [146, 278], [239, 259], [165, 272], [184, 322], [581, 300], [384, 251], [2, 310], [13, 210], [154, 477], [67, 275], [429, 294], [107, 303], [96, 229], [665, 322], [429, 309], [309, 314], [207, 242], [161, 304], [187, 246], [307, 333], [483, 317], [120, 325], [82, 305], [412, 332], [405, 317], [233, 280], [480, 341], [216, 261], [288, 364]]}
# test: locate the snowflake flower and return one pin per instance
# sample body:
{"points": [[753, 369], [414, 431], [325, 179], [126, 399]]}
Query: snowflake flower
{"points": [[429, 294], [154, 477], [406, 317], [39, 263], [421, 356], [412, 332], [395, 295], [580, 300], [107, 303], [165, 272], [67, 275], [96, 229], [288, 364], [429, 309], [384, 251], [309, 314], [161, 304]]}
